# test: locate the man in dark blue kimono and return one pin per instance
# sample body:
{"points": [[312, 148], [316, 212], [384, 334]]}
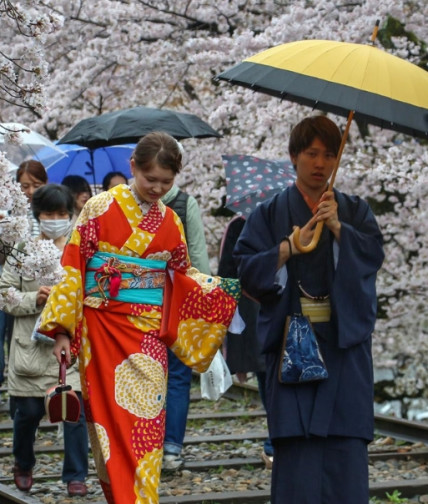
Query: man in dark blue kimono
{"points": [[320, 430]]}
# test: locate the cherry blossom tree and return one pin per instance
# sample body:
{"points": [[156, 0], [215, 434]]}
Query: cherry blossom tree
{"points": [[112, 54]]}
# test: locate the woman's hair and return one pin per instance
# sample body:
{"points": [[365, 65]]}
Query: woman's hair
{"points": [[52, 198], [109, 176], [33, 168], [157, 148], [77, 184], [304, 133]]}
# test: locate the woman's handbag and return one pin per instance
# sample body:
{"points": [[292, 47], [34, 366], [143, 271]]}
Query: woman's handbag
{"points": [[61, 402], [301, 360]]}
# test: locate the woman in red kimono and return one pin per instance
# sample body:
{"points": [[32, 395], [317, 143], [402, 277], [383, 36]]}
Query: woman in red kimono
{"points": [[118, 310]]}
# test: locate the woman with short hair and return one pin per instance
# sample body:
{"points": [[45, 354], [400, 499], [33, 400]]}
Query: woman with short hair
{"points": [[32, 366]]}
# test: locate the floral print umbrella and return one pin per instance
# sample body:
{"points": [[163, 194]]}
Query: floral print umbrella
{"points": [[251, 180]]}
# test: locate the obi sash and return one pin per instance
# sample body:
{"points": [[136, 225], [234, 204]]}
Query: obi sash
{"points": [[126, 279], [316, 310]]}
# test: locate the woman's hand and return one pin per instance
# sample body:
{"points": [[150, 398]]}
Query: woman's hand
{"points": [[42, 295], [62, 343]]}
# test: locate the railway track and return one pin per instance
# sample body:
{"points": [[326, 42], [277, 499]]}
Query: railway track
{"points": [[222, 458]]}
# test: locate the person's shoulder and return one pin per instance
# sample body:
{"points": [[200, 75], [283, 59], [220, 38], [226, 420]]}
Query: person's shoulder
{"points": [[272, 203], [170, 195], [350, 199], [352, 206]]}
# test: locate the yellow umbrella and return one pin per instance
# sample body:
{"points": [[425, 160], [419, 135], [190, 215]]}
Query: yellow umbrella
{"points": [[352, 80]]}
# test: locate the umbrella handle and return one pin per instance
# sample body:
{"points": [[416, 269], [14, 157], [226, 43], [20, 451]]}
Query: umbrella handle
{"points": [[314, 242]]}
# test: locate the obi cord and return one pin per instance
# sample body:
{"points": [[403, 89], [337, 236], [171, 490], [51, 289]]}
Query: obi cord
{"points": [[126, 279]]}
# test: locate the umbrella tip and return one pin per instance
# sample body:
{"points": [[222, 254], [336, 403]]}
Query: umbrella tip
{"points": [[375, 30]]}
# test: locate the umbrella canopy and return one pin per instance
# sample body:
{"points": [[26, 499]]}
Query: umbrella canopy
{"points": [[92, 164], [129, 125], [354, 80], [28, 145], [251, 180], [338, 77]]}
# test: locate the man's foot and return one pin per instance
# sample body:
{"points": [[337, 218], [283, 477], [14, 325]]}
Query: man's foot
{"points": [[172, 462], [77, 488], [268, 460], [23, 479]]}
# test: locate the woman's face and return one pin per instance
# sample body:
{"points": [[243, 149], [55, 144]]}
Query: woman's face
{"points": [[152, 184], [29, 184], [80, 200]]}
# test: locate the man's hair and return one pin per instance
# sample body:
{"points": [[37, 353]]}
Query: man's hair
{"points": [[304, 133]]}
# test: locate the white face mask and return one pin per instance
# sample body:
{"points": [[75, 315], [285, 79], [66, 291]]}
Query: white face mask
{"points": [[54, 228]]}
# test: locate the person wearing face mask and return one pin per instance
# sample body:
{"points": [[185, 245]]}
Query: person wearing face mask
{"points": [[55, 228], [32, 366]]}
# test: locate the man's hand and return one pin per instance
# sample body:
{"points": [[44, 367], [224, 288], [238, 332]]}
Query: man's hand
{"points": [[327, 212]]}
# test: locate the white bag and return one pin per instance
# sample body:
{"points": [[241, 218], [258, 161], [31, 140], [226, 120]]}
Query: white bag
{"points": [[216, 379]]}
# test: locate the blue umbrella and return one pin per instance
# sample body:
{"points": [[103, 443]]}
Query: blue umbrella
{"points": [[92, 164]]}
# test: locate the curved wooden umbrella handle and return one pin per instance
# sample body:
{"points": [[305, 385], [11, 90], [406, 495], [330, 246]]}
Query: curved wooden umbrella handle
{"points": [[314, 242]]}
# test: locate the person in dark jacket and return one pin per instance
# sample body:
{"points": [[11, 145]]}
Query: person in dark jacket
{"points": [[243, 355], [320, 430]]}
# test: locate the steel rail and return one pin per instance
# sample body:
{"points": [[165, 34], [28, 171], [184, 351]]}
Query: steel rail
{"points": [[11, 496]]}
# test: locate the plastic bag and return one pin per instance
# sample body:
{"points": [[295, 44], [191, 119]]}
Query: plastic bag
{"points": [[216, 379]]}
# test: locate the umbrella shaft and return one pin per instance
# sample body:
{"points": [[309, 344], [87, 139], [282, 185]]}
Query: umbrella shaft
{"points": [[342, 146]]}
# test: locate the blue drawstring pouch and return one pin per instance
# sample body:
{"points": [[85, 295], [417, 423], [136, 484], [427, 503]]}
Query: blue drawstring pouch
{"points": [[301, 360]]}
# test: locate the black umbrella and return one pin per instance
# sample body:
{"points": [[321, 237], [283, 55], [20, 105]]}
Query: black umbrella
{"points": [[129, 125]]}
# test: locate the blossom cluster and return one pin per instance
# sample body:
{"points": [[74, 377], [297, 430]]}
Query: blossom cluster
{"points": [[112, 55], [36, 258]]}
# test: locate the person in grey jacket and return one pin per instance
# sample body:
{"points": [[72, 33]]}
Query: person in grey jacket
{"points": [[180, 375], [32, 366]]}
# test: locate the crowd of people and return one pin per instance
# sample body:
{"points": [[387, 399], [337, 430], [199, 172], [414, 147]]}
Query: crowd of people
{"points": [[140, 294]]}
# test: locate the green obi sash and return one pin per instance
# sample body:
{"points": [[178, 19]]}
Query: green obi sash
{"points": [[126, 279]]}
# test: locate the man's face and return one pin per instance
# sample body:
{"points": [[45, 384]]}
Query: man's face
{"points": [[314, 166]]}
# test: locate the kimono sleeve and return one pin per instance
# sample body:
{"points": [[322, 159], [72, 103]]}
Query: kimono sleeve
{"points": [[198, 309], [354, 286], [256, 254]]}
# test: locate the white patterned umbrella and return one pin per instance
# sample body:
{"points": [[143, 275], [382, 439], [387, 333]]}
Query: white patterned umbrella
{"points": [[21, 144]]}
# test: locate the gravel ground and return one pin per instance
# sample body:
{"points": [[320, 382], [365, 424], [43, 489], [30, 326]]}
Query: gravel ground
{"points": [[220, 479]]}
